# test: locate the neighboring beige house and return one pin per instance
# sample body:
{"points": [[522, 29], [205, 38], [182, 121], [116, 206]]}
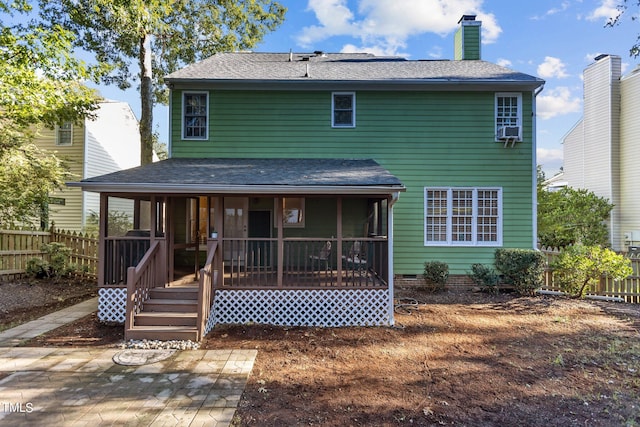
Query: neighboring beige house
{"points": [[601, 152], [109, 143]]}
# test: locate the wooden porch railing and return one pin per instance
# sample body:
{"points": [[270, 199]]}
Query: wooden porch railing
{"points": [[140, 280], [306, 264], [206, 289]]}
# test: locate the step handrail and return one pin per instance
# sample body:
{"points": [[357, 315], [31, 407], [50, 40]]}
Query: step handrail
{"points": [[206, 289], [140, 279]]}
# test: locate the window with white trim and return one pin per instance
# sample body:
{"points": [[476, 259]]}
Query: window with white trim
{"points": [[343, 109], [463, 216], [64, 133], [508, 111], [195, 114]]}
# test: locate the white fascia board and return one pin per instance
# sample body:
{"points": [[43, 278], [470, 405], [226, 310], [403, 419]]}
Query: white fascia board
{"points": [[233, 189]]}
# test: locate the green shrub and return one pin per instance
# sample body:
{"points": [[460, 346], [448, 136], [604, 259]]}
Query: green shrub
{"points": [[435, 275], [485, 277], [37, 267], [58, 264], [522, 268], [578, 267]]}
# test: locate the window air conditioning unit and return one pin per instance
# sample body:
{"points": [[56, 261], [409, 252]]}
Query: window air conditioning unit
{"points": [[509, 132]]}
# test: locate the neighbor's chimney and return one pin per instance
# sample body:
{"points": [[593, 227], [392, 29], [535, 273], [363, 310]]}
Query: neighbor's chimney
{"points": [[467, 38]]}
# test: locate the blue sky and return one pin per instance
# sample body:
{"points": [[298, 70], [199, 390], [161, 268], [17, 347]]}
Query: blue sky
{"points": [[551, 39]]}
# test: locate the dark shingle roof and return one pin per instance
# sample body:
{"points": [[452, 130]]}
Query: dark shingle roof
{"points": [[338, 67], [181, 174]]}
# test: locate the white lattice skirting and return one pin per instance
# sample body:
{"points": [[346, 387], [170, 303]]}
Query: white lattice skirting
{"points": [[112, 303], [326, 307]]}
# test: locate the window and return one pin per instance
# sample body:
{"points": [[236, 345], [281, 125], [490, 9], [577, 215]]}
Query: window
{"points": [[343, 107], [293, 213], [508, 110], [64, 133], [463, 216], [195, 115]]}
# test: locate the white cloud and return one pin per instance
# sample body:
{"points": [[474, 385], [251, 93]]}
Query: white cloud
{"points": [[375, 50], [556, 102], [608, 10], [547, 155], [552, 67], [435, 52], [590, 57], [382, 25], [551, 160], [504, 62], [563, 6]]}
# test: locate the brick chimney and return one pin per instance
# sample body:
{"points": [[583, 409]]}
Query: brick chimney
{"points": [[467, 39]]}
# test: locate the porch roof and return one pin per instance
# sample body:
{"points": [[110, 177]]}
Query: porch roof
{"points": [[249, 176]]}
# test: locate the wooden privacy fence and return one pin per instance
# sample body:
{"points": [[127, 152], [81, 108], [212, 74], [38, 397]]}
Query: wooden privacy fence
{"points": [[17, 247], [627, 289]]}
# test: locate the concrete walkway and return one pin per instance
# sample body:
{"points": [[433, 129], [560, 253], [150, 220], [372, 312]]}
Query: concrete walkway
{"points": [[84, 387], [14, 336]]}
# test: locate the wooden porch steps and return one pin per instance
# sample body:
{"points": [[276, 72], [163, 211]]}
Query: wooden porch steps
{"points": [[169, 314]]}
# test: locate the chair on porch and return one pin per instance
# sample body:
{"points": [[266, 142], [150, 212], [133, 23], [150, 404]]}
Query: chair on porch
{"points": [[356, 259], [321, 261]]}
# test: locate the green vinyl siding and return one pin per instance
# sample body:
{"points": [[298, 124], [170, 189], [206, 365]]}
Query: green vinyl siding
{"points": [[426, 139], [467, 41]]}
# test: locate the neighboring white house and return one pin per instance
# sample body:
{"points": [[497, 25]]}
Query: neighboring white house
{"points": [[109, 143], [602, 151]]}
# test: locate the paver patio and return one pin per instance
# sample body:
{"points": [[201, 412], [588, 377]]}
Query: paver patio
{"points": [[64, 387]]}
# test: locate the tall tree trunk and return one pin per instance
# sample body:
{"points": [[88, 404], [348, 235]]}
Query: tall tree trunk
{"points": [[146, 98]]}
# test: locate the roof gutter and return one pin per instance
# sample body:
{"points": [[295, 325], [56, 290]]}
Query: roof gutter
{"points": [[380, 85], [137, 188]]}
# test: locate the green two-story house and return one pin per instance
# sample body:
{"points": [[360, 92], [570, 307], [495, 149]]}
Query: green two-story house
{"points": [[301, 186]]}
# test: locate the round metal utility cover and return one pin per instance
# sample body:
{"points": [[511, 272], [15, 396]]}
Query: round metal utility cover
{"points": [[133, 357]]}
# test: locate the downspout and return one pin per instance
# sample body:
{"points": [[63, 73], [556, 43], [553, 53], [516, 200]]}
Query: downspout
{"points": [[535, 167], [394, 198]]}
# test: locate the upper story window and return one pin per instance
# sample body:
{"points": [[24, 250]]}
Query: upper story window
{"points": [[343, 110], [509, 116], [64, 133], [463, 216], [195, 114]]}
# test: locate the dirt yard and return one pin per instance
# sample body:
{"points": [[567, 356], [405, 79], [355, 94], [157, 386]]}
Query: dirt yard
{"points": [[26, 299], [455, 358]]}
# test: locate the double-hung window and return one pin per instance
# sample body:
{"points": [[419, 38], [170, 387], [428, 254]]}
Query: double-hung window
{"points": [[195, 114], [463, 216], [64, 133], [343, 109], [509, 114]]}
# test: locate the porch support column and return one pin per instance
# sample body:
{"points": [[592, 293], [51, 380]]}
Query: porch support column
{"points": [[219, 228], [170, 237], [339, 232], [161, 271], [280, 244], [102, 231], [152, 220], [392, 201]]}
